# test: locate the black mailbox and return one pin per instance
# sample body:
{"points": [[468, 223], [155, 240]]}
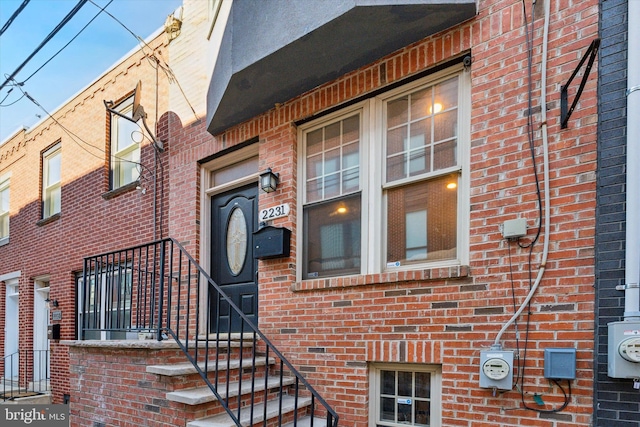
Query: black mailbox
{"points": [[271, 242], [53, 331]]}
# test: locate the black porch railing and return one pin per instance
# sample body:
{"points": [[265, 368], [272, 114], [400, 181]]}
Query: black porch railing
{"points": [[159, 290], [26, 373]]}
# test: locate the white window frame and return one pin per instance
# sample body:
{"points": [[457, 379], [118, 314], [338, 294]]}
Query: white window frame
{"points": [[106, 307], [51, 191], [375, 391], [118, 155], [372, 182], [4, 215]]}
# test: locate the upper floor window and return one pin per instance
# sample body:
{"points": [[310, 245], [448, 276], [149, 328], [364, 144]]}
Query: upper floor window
{"points": [[125, 147], [51, 188], [4, 209], [382, 181]]}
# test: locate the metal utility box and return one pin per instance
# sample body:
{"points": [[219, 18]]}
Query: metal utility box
{"points": [[53, 331], [624, 350], [496, 369], [271, 242], [560, 363]]}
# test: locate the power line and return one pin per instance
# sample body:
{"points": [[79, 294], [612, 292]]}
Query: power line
{"points": [[46, 40], [14, 16], [69, 42]]}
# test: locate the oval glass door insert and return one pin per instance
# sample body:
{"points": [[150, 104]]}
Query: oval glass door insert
{"points": [[236, 241]]}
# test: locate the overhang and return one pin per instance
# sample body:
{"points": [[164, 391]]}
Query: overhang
{"points": [[273, 51]]}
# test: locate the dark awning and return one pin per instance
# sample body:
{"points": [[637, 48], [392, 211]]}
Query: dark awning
{"points": [[274, 50]]}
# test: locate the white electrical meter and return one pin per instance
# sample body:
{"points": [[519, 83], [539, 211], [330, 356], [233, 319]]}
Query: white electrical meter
{"points": [[496, 369], [630, 349]]}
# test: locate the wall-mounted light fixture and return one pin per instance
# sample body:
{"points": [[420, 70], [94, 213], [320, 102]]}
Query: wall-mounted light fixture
{"points": [[269, 181], [53, 303]]}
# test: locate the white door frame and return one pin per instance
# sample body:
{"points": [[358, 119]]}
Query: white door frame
{"points": [[40, 324], [11, 323]]}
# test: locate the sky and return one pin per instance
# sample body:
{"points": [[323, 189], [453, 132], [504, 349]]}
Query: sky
{"points": [[103, 42]]}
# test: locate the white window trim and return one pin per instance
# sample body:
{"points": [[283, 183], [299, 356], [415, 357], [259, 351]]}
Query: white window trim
{"points": [[124, 108], [5, 185], [373, 246], [47, 187], [436, 388]]}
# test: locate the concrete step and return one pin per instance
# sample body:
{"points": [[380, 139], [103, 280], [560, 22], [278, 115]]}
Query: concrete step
{"points": [[197, 396], [223, 420], [178, 369], [306, 422]]}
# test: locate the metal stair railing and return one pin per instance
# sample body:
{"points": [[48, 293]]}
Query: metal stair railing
{"points": [[157, 290], [25, 372]]}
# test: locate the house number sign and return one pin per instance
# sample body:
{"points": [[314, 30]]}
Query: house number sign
{"points": [[274, 212]]}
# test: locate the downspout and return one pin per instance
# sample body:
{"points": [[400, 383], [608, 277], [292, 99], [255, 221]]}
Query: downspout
{"points": [[632, 248]]}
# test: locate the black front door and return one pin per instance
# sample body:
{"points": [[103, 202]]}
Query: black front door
{"points": [[234, 219]]}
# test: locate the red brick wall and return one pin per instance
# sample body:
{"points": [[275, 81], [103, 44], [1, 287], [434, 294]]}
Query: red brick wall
{"points": [[89, 223], [333, 328]]}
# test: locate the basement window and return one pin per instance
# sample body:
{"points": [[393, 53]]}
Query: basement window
{"points": [[405, 395]]}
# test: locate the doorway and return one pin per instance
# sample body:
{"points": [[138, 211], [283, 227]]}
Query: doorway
{"points": [[40, 340], [234, 218], [11, 329]]}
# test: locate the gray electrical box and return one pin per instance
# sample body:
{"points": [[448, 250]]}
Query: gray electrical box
{"points": [[496, 369], [624, 350], [514, 228], [560, 363]]}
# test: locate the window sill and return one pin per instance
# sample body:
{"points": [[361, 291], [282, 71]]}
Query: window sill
{"points": [[121, 190], [427, 274], [45, 221], [4, 241]]}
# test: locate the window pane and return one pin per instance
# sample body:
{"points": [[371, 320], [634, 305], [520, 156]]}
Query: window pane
{"points": [[410, 138], [4, 225], [404, 411], [314, 190], [53, 169], [314, 142], [333, 159], [446, 94], [396, 141], [314, 166], [423, 413], [387, 410], [423, 385], [332, 136], [351, 129], [4, 200], [332, 238], [421, 104], [388, 382], [126, 137], [53, 201], [397, 111], [444, 155], [429, 206], [128, 134], [405, 384], [446, 125]]}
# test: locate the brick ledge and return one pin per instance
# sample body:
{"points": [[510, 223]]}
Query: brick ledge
{"points": [[127, 344], [427, 274]]}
